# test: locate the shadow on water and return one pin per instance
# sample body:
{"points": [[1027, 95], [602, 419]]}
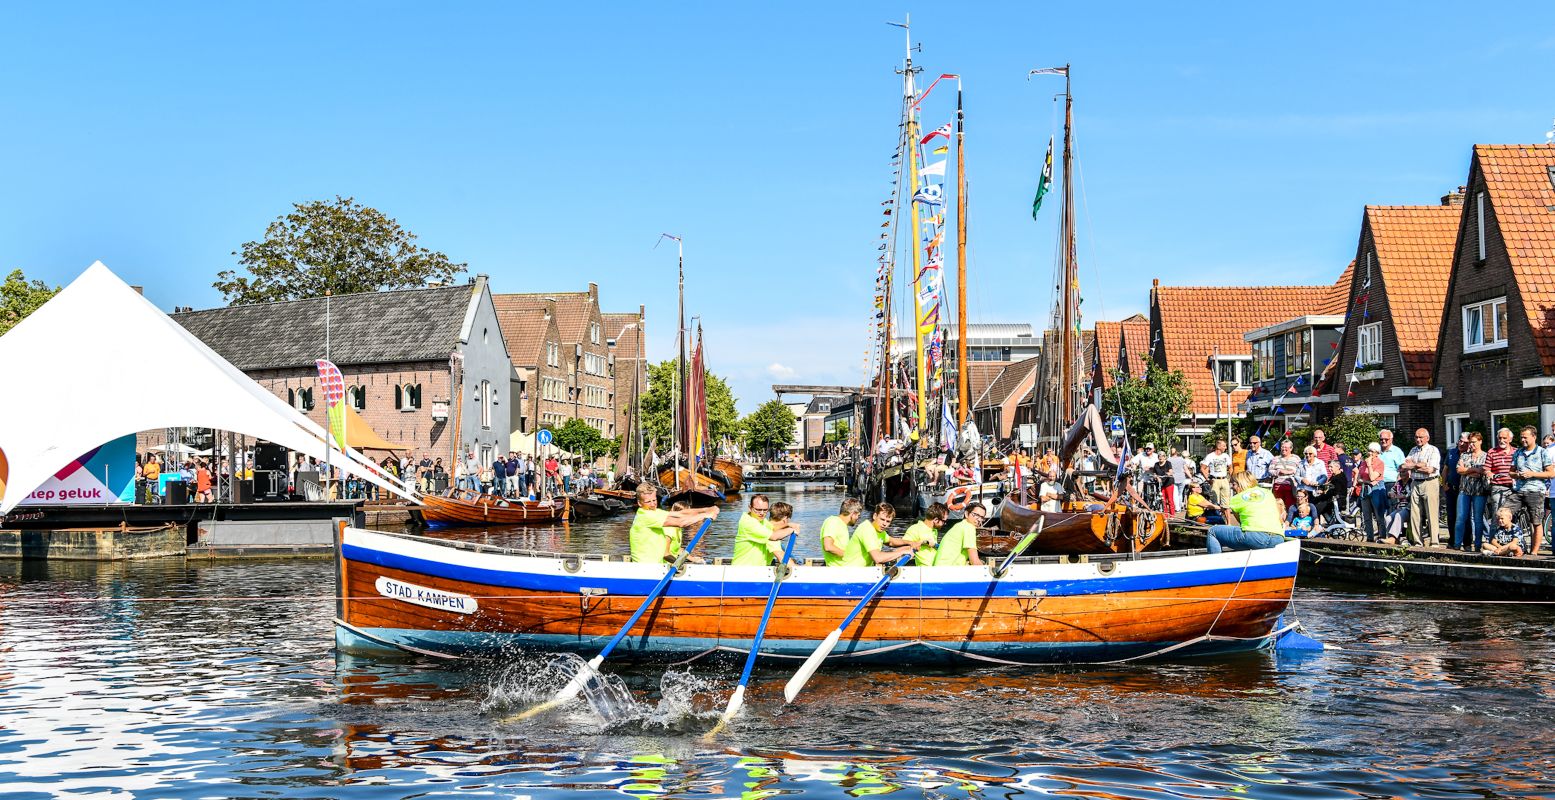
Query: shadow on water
{"points": [[173, 678]]}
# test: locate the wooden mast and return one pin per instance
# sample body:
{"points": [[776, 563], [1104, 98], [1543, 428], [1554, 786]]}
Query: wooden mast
{"points": [[1066, 372], [680, 339], [910, 90], [963, 378]]}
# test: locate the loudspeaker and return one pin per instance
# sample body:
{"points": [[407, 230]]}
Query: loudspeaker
{"points": [[308, 485], [244, 491], [177, 493], [268, 456], [269, 485]]}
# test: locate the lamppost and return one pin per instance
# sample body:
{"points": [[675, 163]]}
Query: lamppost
{"points": [[1228, 387]]}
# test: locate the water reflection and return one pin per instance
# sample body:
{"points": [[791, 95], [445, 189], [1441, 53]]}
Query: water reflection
{"points": [[170, 678]]}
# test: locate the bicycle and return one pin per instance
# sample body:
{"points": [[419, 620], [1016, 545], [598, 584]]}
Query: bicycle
{"points": [[1501, 494]]}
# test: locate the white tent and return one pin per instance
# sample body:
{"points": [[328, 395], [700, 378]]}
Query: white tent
{"points": [[524, 444], [102, 362]]}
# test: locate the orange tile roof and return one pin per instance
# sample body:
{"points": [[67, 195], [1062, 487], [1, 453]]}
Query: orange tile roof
{"points": [[1132, 335], [1518, 180], [524, 330], [1196, 320], [573, 310], [1338, 296], [1414, 246], [980, 374]]}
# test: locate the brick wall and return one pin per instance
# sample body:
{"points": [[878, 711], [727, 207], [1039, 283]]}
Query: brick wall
{"points": [[1412, 413]]}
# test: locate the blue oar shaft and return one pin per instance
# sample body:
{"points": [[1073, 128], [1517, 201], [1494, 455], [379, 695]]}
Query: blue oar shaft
{"points": [[656, 591], [766, 614], [874, 590]]}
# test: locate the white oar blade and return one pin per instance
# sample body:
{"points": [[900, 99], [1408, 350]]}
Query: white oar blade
{"points": [[796, 684], [736, 700], [566, 693]]}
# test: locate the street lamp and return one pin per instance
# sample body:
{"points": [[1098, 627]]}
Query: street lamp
{"points": [[1228, 387]]}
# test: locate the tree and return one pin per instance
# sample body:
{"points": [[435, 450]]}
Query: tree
{"points": [[769, 428], [839, 432], [722, 418], [582, 439], [339, 246], [20, 297], [1151, 408], [1355, 431]]}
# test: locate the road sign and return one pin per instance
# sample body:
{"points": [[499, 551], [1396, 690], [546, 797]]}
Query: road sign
{"points": [[543, 437], [1115, 424], [1028, 435]]}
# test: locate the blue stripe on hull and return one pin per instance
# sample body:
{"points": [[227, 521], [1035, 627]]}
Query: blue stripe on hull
{"points": [[758, 589], [475, 645]]}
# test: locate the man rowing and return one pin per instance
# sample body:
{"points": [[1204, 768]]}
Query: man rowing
{"points": [[958, 548], [834, 531], [755, 535], [650, 542], [925, 532], [871, 544]]}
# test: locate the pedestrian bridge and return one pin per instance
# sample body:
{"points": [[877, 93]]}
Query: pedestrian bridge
{"points": [[792, 471]]}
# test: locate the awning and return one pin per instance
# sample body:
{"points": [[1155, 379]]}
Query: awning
{"points": [[524, 444], [361, 435]]}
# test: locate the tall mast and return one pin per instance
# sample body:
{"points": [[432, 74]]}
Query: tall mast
{"points": [[1066, 372], [963, 388], [680, 339], [910, 92]]}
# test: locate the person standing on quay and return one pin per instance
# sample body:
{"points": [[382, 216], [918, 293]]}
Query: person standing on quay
{"points": [[1392, 459], [1473, 488], [1217, 468], [1424, 468], [1452, 482], [1258, 459], [1531, 469]]}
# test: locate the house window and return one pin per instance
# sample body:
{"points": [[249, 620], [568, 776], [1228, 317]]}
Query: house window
{"points": [[1263, 360], [1298, 351], [485, 401], [1369, 351], [305, 399], [1456, 423], [1368, 268], [1479, 213], [1514, 419], [594, 332], [407, 397], [1228, 371], [1484, 325], [356, 396]]}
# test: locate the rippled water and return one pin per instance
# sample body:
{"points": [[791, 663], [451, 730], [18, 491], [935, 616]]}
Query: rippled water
{"points": [[174, 679]]}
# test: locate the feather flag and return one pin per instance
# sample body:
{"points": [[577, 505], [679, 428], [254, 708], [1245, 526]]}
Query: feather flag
{"points": [[941, 131], [1045, 181], [334, 386]]}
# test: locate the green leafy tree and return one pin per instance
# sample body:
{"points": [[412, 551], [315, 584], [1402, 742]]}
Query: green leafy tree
{"points": [[20, 297], [723, 421], [839, 432], [769, 428], [580, 438], [341, 246], [1354, 430], [1152, 407]]}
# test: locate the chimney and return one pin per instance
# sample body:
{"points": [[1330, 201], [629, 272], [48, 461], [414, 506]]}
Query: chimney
{"points": [[1454, 198], [140, 290]]}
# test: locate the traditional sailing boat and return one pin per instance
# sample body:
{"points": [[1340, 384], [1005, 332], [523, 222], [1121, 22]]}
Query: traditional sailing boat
{"points": [[1082, 524], [683, 469]]}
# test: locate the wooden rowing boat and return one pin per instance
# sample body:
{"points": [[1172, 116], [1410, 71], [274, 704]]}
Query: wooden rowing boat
{"points": [[732, 472], [465, 507], [688, 480], [1080, 529], [435, 597], [595, 505]]}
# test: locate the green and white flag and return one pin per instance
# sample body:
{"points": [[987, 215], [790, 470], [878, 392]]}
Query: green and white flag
{"points": [[1045, 181]]}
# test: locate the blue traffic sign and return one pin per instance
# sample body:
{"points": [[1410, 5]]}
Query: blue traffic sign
{"points": [[1116, 424], [543, 437]]}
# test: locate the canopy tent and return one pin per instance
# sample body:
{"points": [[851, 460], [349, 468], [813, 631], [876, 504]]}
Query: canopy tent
{"points": [[130, 368], [524, 444], [361, 436]]}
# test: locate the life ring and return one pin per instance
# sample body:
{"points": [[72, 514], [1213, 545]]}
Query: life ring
{"points": [[956, 499]]}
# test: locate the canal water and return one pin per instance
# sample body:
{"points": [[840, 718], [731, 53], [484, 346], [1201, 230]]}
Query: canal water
{"points": [[182, 679]]}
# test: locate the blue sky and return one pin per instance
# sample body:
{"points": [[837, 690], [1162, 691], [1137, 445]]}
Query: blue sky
{"points": [[549, 145]]}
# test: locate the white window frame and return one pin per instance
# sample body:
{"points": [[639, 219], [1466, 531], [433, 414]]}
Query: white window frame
{"points": [[1298, 362], [594, 332], [1497, 414], [1479, 209], [1454, 423], [1498, 325], [486, 394], [1368, 348]]}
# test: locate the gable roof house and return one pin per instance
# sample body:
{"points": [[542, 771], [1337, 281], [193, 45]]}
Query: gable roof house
{"points": [[426, 367], [628, 365], [994, 410], [588, 388], [1495, 357], [1199, 331], [539, 381], [1292, 359], [1392, 314], [1120, 346]]}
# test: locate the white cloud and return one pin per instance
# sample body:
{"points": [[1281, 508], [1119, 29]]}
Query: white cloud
{"points": [[780, 371]]}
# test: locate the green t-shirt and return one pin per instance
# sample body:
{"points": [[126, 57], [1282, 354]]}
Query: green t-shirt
{"points": [[750, 543], [921, 532], [649, 537], [1257, 510], [835, 529], [953, 547], [865, 539]]}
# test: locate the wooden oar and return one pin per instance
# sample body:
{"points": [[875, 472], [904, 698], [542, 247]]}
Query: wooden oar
{"points": [[590, 670], [738, 698], [1020, 547], [796, 684]]}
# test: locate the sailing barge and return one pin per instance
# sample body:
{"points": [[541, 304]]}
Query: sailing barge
{"points": [[398, 592], [463, 507]]}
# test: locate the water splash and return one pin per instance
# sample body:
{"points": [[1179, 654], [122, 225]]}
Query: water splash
{"points": [[682, 701]]}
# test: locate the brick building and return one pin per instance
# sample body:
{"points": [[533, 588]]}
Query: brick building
{"points": [[1495, 356], [579, 356], [994, 410], [1119, 346], [539, 379], [624, 335], [1291, 359], [1393, 313], [424, 367], [1199, 329]]}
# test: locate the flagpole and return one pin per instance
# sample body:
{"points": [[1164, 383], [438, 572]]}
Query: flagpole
{"points": [[909, 88], [963, 390], [327, 427]]}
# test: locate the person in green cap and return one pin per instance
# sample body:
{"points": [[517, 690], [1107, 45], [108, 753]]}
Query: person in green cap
{"points": [[753, 540], [834, 531], [871, 544], [926, 533], [959, 546], [651, 543]]}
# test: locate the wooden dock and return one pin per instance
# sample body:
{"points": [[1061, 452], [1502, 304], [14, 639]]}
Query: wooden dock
{"points": [[793, 471]]}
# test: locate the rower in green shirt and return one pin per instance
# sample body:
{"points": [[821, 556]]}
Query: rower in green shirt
{"points": [[959, 546], [926, 533], [834, 531], [650, 540], [753, 540], [871, 544]]}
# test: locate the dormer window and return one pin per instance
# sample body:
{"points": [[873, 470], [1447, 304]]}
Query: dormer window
{"points": [[1484, 325], [1479, 213]]}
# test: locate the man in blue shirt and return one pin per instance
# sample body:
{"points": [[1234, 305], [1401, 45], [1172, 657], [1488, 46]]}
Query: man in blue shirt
{"points": [[1452, 480], [1531, 470], [1392, 459], [1258, 458]]}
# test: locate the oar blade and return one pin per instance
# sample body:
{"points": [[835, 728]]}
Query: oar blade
{"points": [[796, 684], [589, 672], [736, 701]]}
